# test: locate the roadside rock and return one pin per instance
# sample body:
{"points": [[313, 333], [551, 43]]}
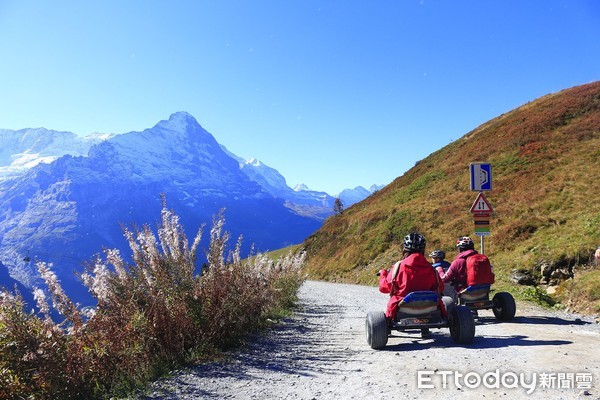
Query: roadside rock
{"points": [[523, 277]]}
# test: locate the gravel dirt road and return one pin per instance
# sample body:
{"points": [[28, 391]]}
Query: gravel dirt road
{"points": [[321, 353]]}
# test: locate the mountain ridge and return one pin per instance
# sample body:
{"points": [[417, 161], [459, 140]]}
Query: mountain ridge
{"points": [[18, 154]]}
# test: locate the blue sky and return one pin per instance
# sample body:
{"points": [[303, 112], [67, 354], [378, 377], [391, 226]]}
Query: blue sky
{"points": [[333, 94]]}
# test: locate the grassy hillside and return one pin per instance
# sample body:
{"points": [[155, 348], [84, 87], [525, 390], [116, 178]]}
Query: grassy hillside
{"points": [[545, 157]]}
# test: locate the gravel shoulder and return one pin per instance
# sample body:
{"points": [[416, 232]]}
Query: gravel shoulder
{"points": [[321, 353]]}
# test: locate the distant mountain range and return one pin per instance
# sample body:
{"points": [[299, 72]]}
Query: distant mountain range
{"points": [[23, 149], [63, 197]]}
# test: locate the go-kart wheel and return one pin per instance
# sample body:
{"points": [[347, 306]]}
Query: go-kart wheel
{"points": [[504, 306], [462, 325], [377, 329]]}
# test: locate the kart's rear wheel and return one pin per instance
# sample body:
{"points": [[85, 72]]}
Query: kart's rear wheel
{"points": [[504, 306], [377, 329], [462, 325]]}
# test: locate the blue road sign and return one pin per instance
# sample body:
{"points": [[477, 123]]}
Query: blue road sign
{"points": [[481, 176]]}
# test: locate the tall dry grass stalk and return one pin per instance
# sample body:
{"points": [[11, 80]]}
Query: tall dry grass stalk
{"points": [[151, 314]]}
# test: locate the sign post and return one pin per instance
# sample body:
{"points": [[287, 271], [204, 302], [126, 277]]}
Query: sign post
{"points": [[481, 180]]}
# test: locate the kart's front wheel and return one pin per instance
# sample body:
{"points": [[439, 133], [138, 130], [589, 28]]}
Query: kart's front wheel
{"points": [[377, 329], [462, 325]]}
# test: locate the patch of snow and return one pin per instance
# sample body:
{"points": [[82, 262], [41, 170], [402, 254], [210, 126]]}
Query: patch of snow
{"points": [[254, 162]]}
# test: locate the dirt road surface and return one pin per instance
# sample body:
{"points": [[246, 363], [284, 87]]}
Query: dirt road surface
{"points": [[321, 353]]}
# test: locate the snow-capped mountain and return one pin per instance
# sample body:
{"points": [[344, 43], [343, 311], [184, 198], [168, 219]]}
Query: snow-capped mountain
{"points": [[269, 178], [66, 211], [359, 193], [351, 196], [24, 149], [300, 199]]}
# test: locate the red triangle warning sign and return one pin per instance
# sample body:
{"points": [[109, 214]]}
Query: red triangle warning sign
{"points": [[481, 205]]}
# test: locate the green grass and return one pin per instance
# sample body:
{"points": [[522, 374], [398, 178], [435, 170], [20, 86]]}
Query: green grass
{"points": [[276, 254]]}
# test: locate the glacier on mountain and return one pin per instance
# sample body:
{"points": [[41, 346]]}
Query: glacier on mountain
{"points": [[23, 149]]}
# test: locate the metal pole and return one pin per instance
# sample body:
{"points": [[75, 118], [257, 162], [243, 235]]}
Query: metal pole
{"points": [[482, 247]]}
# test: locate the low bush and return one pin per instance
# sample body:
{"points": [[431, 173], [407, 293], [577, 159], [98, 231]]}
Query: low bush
{"points": [[151, 315], [538, 296]]}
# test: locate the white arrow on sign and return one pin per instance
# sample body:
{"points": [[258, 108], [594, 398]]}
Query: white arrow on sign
{"points": [[481, 205]]}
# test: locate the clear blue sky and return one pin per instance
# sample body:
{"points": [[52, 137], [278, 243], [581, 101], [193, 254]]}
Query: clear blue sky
{"points": [[333, 94]]}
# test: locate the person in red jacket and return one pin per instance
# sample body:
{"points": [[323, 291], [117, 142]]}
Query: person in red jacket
{"points": [[412, 273], [456, 274]]}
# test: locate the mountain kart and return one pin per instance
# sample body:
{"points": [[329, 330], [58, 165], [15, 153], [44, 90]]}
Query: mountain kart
{"points": [[477, 297], [418, 311]]}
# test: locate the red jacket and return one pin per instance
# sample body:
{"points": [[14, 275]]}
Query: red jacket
{"points": [[457, 273], [412, 274]]}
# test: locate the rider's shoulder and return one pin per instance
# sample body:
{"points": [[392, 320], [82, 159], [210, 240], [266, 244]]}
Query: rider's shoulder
{"points": [[467, 253]]}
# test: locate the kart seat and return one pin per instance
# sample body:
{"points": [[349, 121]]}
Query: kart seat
{"points": [[475, 292], [417, 303]]}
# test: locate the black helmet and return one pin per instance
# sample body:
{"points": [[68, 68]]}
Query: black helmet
{"points": [[465, 243], [414, 242], [437, 254]]}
